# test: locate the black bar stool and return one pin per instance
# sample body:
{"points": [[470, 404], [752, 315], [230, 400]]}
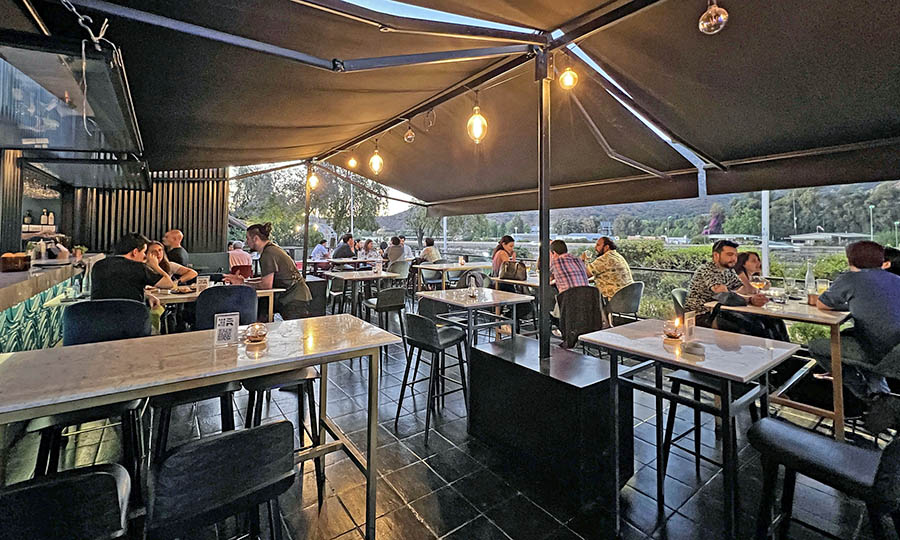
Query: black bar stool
{"points": [[388, 301], [209, 480], [424, 335], [80, 504], [867, 474]]}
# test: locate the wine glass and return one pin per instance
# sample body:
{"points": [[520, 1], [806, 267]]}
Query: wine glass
{"points": [[758, 282]]}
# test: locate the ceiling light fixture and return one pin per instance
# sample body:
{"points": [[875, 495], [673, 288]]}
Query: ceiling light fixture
{"points": [[568, 79], [376, 162], [410, 135], [713, 19], [352, 163], [313, 181], [477, 125]]}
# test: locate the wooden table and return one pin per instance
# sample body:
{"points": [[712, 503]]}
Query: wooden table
{"points": [[52, 381], [354, 278], [729, 357], [353, 262], [485, 298], [802, 312], [165, 298], [443, 268]]}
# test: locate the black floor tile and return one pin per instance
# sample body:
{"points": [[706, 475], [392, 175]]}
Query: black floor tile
{"points": [[325, 523], [436, 444], [641, 510], [344, 475], [676, 493], [478, 529], [302, 494], [402, 524], [484, 489], [415, 481], [453, 464], [444, 510], [521, 519], [386, 500], [394, 456]]}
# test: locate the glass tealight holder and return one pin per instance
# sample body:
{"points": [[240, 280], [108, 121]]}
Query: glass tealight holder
{"points": [[256, 332], [673, 329]]}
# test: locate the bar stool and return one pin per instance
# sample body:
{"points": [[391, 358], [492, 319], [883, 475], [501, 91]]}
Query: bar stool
{"points": [[81, 504], [423, 334], [388, 301], [206, 481], [698, 383], [337, 290], [870, 475], [94, 322]]}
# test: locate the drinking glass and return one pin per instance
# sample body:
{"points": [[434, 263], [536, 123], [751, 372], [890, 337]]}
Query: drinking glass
{"points": [[790, 285], [822, 285], [758, 282]]}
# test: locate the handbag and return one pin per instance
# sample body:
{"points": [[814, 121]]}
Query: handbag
{"points": [[513, 270]]}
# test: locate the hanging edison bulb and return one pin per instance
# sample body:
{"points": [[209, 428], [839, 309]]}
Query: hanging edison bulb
{"points": [[713, 19], [376, 162], [313, 181], [568, 79], [352, 163], [410, 135], [477, 125]]}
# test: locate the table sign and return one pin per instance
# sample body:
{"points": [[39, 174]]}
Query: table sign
{"points": [[226, 329], [690, 321], [202, 283]]}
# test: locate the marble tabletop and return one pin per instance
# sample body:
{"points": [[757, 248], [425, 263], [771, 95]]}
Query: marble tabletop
{"points": [[166, 297], [357, 275], [792, 310], [352, 261], [485, 297], [728, 355], [80, 376], [452, 267]]}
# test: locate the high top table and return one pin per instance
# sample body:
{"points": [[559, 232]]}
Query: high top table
{"points": [[355, 277], [166, 297], [443, 268], [729, 357], [53, 381], [798, 311]]}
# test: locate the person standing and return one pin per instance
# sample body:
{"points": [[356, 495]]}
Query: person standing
{"points": [[237, 256], [346, 249], [125, 275], [430, 253], [610, 269], [278, 271], [174, 250], [872, 296], [407, 251]]}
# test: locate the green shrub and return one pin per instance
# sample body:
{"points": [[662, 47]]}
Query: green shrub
{"points": [[830, 266], [804, 332]]}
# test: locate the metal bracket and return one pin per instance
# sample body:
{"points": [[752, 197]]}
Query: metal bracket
{"points": [[543, 65]]}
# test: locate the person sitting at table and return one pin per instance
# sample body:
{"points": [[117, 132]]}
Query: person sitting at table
{"points": [[368, 252], [503, 251], [566, 270], [237, 256], [180, 274], [430, 253], [714, 278], [229, 246], [872, 296], [278, 271], [176, 253], [346, 249], [395, 251], [407, 251], [125, 275], [320, 252], [748, 265], [891, 260], [610, 270], [382, 248]]}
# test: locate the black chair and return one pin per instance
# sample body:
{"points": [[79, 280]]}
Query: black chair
{"points": [[698, 383], [679, 297], [423, 334], [388, 301], [867, 474], [82, 504], [225, 299], [338, 291], [431, 279], [93, 322], [626, 301], [214, 300], [207, 481], [579, 313]]}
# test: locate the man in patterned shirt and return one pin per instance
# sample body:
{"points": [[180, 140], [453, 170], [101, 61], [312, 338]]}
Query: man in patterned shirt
{"points": [[610, 270], [717, 277]]}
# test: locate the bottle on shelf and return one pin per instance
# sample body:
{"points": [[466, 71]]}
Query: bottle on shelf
{"points": [[51, 219], [28, 218], [44, 217]]}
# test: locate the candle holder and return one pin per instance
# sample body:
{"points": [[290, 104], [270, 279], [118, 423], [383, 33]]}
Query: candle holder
{"points": [[256, 333], [673, 329]]}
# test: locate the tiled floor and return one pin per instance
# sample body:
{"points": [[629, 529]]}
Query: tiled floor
{"points": [[457, 487]]}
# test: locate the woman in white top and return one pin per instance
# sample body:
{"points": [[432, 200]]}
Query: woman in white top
{"points": [[178, 273], [368, 252], [430, 253]]}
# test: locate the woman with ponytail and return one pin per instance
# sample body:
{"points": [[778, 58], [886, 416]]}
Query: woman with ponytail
{"points": [[278, 271], [505, 251]]}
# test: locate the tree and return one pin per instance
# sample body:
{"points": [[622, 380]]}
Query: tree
{"points": [[516, 224], [421, 224], [745, 216]]}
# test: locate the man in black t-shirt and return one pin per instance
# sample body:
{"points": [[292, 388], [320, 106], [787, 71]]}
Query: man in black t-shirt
{"points": [[177, 254], [125, 275]]}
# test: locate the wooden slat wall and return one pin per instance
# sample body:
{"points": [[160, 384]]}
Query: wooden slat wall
{"points": [[11, 201], [195, 201]]}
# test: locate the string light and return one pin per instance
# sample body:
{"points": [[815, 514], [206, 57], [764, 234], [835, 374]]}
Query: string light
{"points": [[713, 19], [568, 79], [313, 181], [376, 162], [477, 125], [410, 135], [352, 163]]}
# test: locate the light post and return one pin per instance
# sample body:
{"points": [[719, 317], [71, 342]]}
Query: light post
{"points": [[896, 224], [871, 222], [311, 182]]}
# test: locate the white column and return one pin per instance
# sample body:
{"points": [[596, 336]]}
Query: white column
{"points": [[351, 212], [764, 204], [444, 223]]}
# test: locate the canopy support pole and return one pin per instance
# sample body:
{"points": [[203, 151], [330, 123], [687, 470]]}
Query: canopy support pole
{"points": [[543, 72], [309, 172], [764, 205]]}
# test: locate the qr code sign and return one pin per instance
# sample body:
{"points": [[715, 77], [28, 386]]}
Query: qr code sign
{"points": [[226, 329]]}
